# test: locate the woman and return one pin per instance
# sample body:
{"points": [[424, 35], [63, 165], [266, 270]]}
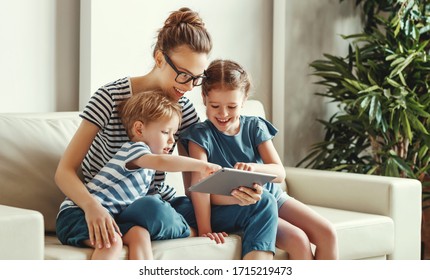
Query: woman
{"points": [[181, 56]]}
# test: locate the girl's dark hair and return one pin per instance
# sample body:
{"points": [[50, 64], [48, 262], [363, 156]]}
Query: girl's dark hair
{"points": [[226, 74], [183, 27]]}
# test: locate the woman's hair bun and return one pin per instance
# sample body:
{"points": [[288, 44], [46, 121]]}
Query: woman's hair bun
{"points": [[183, 27], [184, 16]]}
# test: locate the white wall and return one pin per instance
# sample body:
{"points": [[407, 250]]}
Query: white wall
{"points": [[39, 53], [311, 28], [118, 37]]}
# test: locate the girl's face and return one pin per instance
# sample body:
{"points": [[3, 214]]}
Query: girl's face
{"points": [[223, 109], [185, 61], [159, 135]]}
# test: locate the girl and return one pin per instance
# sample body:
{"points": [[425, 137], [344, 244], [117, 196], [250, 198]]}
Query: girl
{"points": [[243, 142], [180, 56]]}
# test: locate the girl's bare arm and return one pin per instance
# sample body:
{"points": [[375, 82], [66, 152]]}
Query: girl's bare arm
{"points": [[272, 162]]}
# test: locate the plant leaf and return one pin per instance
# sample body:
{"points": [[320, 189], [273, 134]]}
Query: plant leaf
{"points": [[406, 126]]}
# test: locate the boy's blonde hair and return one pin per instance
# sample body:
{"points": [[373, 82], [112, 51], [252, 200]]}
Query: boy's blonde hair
{"points": [[147, 107]]}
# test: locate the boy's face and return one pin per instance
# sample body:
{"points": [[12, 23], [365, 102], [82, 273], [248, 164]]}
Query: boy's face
{"points": [[223, 109], [159, 135]]}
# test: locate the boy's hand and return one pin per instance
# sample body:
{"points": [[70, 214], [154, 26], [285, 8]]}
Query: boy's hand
{"points": [[210, 168]]}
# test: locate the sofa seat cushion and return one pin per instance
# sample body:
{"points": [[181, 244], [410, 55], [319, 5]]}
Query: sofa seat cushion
{"points": [[360, 235], [197, 248]]}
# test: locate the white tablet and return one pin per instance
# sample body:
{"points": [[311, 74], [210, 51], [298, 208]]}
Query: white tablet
{"points": [[225, 180]]}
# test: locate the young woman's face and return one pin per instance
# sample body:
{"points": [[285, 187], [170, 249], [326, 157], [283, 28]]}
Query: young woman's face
{"points": [[159, 135], [223, 109], [185, 61]]}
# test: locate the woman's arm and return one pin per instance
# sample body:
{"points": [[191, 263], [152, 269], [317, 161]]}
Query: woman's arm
{"points": [[67, 179]]}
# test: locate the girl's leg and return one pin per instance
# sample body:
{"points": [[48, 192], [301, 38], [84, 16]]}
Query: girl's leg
{"points": [[294, 241], [258, 255], [319, 231], [157, 216], [258, 222], [138, 241]]}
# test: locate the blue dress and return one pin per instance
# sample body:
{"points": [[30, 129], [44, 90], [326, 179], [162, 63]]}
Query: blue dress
{"points": [[258, 222], [227, 150]]}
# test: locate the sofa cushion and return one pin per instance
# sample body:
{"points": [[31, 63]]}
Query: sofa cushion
{"points": [[29, 155], [21, 231], [360, 235], [196, 248]]}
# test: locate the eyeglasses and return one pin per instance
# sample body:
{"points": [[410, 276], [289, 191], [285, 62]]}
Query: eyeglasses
{"points": [[183, 77]]}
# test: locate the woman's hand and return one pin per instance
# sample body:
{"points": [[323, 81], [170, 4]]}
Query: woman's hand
{"points": [[101, 226], [218, 237]]}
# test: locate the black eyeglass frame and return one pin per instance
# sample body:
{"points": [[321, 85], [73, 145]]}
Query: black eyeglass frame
{"points": [[197, 80]]}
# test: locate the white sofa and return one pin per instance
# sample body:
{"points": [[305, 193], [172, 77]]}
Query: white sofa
{"points": [[375, 217]]}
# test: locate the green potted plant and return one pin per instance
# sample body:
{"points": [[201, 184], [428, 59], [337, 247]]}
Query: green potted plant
{"points": [[382, 90]]}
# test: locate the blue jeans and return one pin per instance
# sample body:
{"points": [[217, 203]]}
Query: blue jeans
{"points": [[277, 192], [156, 215], [150, 212], [257, 222]]}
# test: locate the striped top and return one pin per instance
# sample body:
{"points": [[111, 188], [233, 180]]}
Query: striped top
{"points": [[115, 186], [102, 110]]}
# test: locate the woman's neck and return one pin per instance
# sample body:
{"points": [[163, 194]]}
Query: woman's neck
{"points": [[144, 83]]}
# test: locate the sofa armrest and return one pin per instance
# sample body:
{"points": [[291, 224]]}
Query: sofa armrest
{"points": [[397, 198], [21, 234]]}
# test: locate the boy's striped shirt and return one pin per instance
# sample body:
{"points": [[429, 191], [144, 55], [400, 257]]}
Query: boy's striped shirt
{"points": [[102, 110]]}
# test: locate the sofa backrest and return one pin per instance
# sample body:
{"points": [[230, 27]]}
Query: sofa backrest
{"points": [[30, 148]]}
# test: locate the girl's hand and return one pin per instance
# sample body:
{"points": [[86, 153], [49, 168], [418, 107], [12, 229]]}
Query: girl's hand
{"points": [[244, 166], [248, 196], [218, 237], [101, 226]]}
